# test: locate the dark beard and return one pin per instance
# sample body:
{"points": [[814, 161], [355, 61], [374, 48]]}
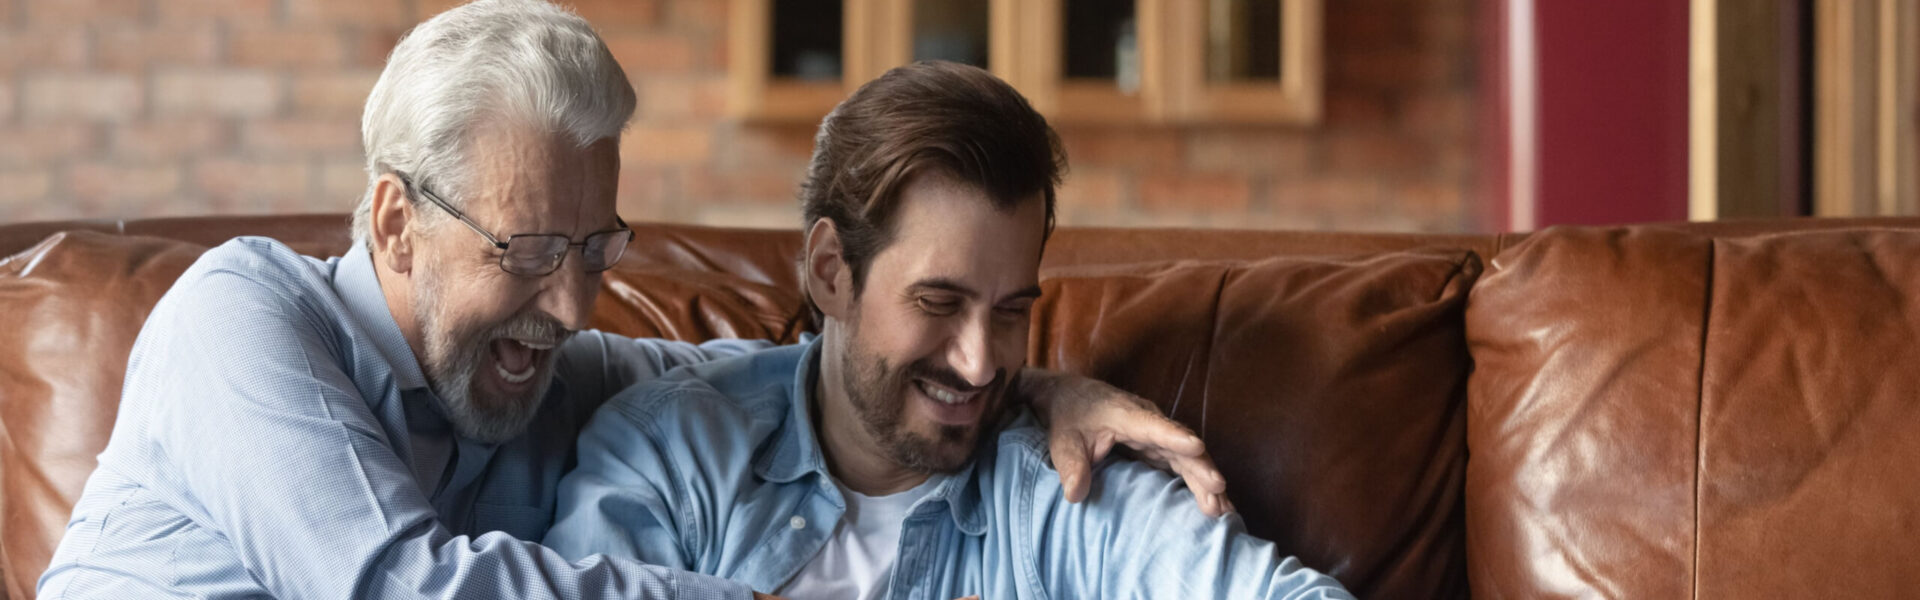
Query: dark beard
{"points": [[878, 394]]}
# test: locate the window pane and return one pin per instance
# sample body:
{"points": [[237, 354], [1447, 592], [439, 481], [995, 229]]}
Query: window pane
{"points": [[954, 30], [1101, 42], [806, 39], [1243, 40]]}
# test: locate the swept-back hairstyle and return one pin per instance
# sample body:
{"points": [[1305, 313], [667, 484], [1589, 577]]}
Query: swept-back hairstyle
{"points": [[528, 62], [930, 116]]}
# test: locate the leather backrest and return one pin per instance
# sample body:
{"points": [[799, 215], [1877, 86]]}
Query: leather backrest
{"points": [[1331, 389], [1663, 414]]}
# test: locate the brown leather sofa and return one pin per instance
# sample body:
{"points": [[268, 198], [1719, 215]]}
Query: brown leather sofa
{"points": [[1712, 411]]}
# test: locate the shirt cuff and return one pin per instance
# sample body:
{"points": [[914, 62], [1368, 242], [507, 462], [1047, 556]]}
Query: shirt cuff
{"points": [[688, 585]]}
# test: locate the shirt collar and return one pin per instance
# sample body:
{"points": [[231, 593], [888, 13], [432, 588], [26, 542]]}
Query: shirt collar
{"points": [[359, 289], [796, 452]]}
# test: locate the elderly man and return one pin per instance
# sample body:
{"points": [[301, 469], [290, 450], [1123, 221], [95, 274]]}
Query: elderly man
{"points": [[393, 423], [877, 461]]}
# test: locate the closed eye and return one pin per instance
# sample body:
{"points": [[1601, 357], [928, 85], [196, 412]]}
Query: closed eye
{"points": [[939, 307]]}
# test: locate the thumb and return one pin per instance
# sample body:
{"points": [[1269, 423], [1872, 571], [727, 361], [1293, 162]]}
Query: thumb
{"points": [[1070, 459]]}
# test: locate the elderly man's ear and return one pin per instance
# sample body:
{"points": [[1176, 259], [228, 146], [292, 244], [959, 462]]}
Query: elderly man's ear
{"points": [[392, 215], [827, 278]]}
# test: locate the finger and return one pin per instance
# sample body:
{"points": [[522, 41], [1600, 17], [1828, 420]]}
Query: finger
{"points": [[1209, 504], [1071, 460], [1144, 427], [1200, 474]]}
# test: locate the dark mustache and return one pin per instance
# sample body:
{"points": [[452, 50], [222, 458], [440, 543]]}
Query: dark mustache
{"points": [[922, 369]]}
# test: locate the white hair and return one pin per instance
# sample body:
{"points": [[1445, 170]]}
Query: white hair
{"points": [[526, 61]]}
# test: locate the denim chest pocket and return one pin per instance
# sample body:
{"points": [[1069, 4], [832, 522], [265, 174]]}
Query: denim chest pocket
{"points": [[526, 523]]}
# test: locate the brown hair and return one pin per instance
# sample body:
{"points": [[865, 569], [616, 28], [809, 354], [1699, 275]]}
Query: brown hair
{"points": [[929, 116]]}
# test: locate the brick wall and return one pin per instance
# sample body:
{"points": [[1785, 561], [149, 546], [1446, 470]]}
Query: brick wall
{"points": [[136, 108]]}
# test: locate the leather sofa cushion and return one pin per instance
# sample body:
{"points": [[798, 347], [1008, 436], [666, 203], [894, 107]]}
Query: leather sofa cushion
{"points": [[1331, 389], [1659, 414]]}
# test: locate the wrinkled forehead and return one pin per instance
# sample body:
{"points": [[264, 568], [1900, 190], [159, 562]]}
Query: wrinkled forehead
{"points": [[530, 181]]}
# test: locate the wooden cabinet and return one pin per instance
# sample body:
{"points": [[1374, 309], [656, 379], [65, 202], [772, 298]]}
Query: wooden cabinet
{"points": [[1078, 61]]}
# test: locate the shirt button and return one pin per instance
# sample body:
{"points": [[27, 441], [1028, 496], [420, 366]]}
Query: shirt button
{"points": [[797, 522]]}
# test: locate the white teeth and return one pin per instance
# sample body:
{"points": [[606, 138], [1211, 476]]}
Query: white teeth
{"points": [[944, 396], [535, 346], [514, 377]]}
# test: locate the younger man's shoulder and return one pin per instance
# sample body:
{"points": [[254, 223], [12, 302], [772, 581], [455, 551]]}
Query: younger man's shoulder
{"points": [[753, 388]]}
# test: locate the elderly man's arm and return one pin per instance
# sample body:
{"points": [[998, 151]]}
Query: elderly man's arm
{"points": [[277, 452], [1087, 418]]}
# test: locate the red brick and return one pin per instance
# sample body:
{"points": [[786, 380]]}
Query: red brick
{"points": [[1378, 154], [1325, 195], [370, 47], [82, 96], [1092, 188], [333, 93], [279, 47], [344, 181], [41, 13], [6, 13], [1431, 198], [243, 184], [44, 49], [702, 186], [766, 147], [1396, 68], [348, 12], [35, 143], [1360, 27], [427, 9], [1447, 113], [646, 54], [337, 135], [217, 92], [6, 103], [1195, 192], [644, 145], [1357, 108], [617, 15], [677, 98], [651, 194], [1124, 148], [138, 47], [25, 186], [200, 11], [169, 138], [752, 216], [110, 185], [1249, 151], [698, 16]]}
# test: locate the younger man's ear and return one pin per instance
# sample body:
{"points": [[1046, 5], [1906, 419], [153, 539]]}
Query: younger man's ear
{"points": [[826, 277], [392, 216]]}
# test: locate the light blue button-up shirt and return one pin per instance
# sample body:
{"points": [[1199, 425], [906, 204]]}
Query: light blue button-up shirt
{"points": [[276, 438], [715, 468]]}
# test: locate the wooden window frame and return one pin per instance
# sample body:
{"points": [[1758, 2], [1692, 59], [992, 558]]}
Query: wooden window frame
{"points": [[1026, 48]]}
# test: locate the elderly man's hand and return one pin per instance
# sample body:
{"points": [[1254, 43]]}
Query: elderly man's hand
{"points": [[1085, 418]]}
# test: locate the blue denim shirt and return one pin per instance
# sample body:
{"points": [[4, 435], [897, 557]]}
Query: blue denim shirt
{"points": [[715, 468], [276, 438]]}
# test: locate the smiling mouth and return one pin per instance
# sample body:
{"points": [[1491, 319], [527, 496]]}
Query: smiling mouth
{"points": [[517, 360], [945, 395]]}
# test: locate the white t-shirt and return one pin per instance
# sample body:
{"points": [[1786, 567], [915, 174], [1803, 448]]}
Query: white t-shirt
{"points": [[855, 562]]}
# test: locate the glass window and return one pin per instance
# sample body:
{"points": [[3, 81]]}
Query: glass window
{"points": [[807, 40]]}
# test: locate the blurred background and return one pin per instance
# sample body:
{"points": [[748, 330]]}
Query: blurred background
{"points": [[1377, 115]]}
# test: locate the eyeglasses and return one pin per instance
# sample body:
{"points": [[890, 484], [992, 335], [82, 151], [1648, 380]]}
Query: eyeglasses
{"points": [[537, 254]]}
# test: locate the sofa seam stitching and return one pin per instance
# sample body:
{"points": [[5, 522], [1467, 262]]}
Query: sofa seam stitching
{"points": [[1700, 410]]}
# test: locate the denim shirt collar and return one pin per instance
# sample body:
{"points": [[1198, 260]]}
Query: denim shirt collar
{"points": [[359, 289], [796, 453]]}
